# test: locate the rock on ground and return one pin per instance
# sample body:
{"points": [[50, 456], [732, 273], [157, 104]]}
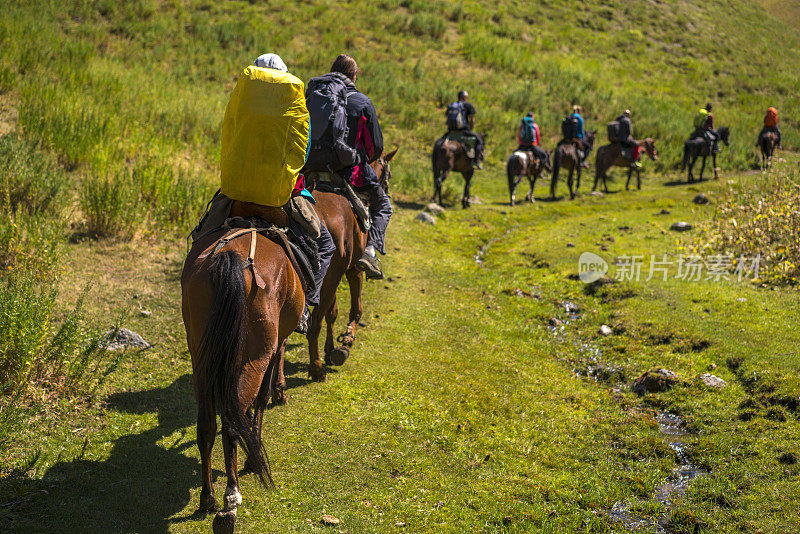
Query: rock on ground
{"points": [[425, 217], [122, 339], [654, 382], [434, 209], [701, 198], [604, 330], [712, 381], [330, 520], [681, 226]]}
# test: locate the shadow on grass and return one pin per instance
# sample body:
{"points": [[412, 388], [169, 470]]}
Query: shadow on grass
{"points": [[408, 205], [145, 480], [676, 183]]}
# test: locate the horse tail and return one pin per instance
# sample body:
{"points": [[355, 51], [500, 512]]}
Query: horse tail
{"points": [[220, 352], [510, 171], [435, 158]]}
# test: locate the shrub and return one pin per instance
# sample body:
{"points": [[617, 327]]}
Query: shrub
{"points": [[30, 180], [110, 206], [762, 217]]}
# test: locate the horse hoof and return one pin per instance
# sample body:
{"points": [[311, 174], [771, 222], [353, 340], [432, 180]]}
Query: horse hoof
{"points": [[279, 397], [208, 505], [317, 372], [338, 356], [224, 521]]}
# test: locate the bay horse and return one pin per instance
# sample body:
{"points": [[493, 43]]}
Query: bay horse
{"points": [[524, 163], [699, 147], [611, 155], [240, 302], [350, 241], [566, 155], [449, 155], [767, 142]]}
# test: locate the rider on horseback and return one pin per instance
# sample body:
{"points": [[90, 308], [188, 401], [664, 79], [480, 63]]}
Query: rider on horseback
{"points": [[630, 149], [365, 136], [460, 122], [771, 124], [573, 132], [528, 138], [704, 127]]}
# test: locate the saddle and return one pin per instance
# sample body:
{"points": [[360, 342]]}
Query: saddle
{"points": [[240, 219], [330, 182], [469, 142]]}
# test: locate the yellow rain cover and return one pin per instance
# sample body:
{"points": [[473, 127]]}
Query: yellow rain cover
{"points": [[264, 137]]}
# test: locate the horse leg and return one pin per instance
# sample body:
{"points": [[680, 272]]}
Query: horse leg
{"points": [[465, 200], [225, 520], [340, 354], [554, 181], [532, 183], [569, 182], [714, 162], [628, 181], [690, 177], [437, 187], [278, 386], [702, 168], [327, 302], [512, 186], [638, 179], [330, 320], [206, 433]]}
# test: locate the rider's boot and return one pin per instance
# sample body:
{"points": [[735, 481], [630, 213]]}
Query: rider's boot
{"points": [[370, 264], [302, 326]]}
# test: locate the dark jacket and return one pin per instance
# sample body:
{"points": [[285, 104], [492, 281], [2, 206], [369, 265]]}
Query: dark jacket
{"points": [[364, 134], [625, 128]]}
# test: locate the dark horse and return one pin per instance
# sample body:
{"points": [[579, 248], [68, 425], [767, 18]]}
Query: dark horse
{"points": [[566, 155], [523, 163], [350, 241], [697, 147], [611, 155], [449, 155], [240, 302], [767, 142]]}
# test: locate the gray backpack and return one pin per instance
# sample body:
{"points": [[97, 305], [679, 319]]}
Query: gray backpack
{"points": [[326, 100]]}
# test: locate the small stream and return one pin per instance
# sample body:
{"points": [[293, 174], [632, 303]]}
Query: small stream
{"points": [[481, 252], [670, 426]]}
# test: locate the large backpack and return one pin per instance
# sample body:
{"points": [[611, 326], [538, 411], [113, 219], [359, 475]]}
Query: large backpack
{"points": [[527, 134], [613, 129], [456, 116], [701, 118], [569, 126], [771, 119], [326, 100]]}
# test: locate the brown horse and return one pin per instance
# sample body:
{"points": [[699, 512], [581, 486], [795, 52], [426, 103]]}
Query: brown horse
{"points": [[611, 155], [240, 303], [566, 155], [767, 142], [523, 163], [449, 155], [350, 243], [696, 147]]}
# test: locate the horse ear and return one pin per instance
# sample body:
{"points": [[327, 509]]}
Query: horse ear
{"points": [[390, 155]]}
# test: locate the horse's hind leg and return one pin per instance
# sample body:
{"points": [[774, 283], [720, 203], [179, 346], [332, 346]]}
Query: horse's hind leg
{"points": [[225, 520], [569, 182], [340, 354], [327, 303], [206, 433], [278, 380], [465, 200], [702, 168], [531, 182], [330, 321], [628, 181], [714, 162]]}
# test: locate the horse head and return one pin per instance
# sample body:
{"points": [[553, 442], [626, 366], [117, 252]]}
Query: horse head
{"points": [[589, 138], [383, 170], [724, 135], [650, 148]]}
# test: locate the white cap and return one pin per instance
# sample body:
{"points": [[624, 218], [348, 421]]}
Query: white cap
{"points": [[270, 61]]}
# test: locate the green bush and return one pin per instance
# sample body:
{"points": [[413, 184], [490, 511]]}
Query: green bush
{"points": [[110, 206], [30, 180]]}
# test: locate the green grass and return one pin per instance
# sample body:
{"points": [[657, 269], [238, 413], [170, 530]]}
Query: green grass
{"points": [[459, 410]]}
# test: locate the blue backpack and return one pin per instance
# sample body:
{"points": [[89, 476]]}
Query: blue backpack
{"points": [[528, 134], [456, 117]]}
